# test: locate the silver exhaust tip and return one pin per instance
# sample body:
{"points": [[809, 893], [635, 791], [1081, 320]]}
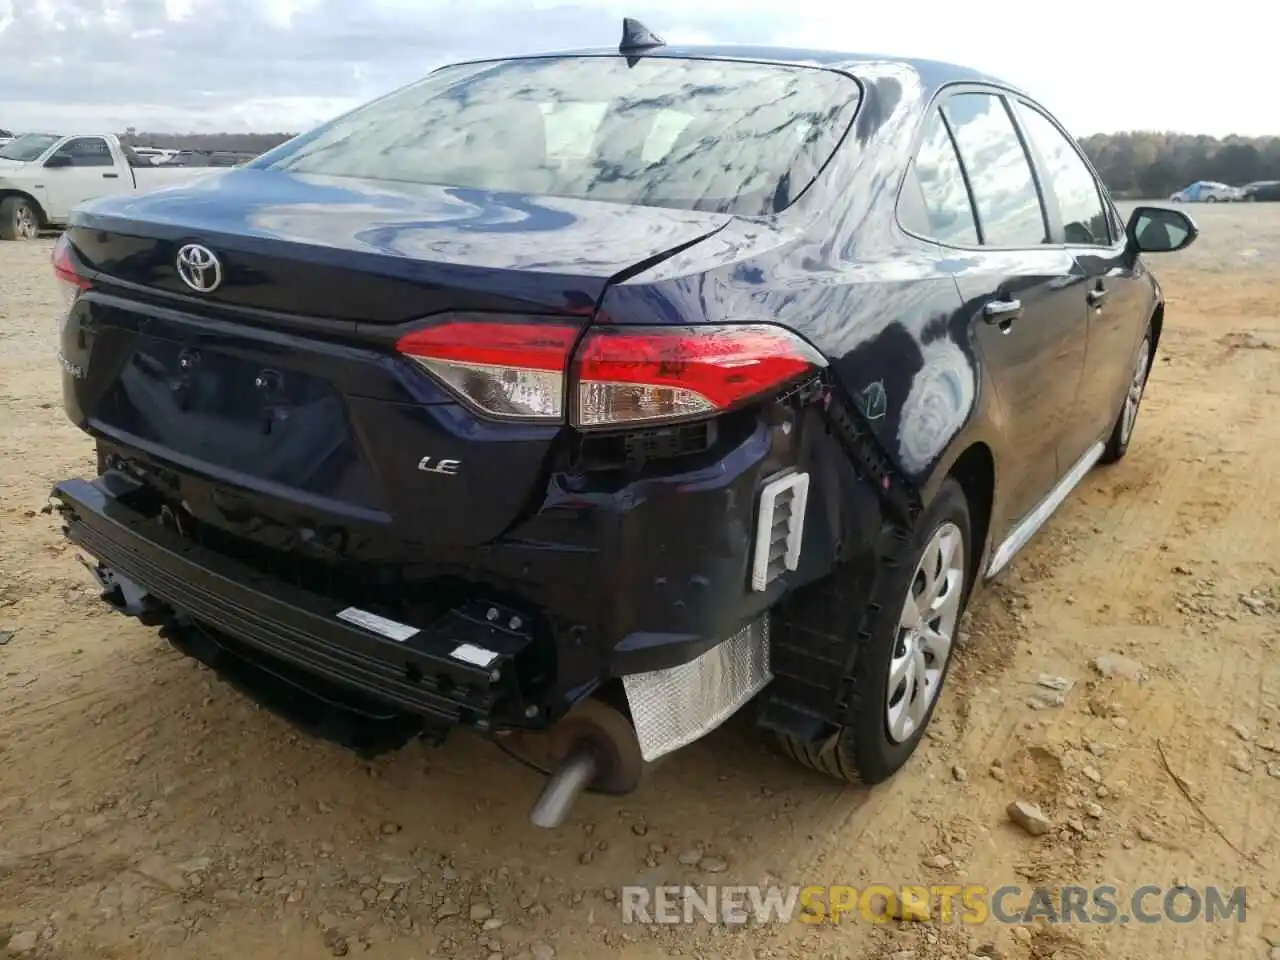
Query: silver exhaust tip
{"points": [[566, 784], [593, 746]]}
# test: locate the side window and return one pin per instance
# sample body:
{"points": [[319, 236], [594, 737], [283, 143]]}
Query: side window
{"points": [[87, 152], [1084, 218], [1004, 188], [947, 215]]}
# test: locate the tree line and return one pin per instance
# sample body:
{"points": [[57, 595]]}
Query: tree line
{"points": [[1132, 164], [1145, 164]]}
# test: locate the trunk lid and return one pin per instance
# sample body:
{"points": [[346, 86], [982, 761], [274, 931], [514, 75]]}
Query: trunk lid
{"points": [[276, 404], [370, 252]]}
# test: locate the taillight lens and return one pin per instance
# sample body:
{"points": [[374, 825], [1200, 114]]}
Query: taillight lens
{"points": [[617, 376], [634, 374], [508, 370], [70, 282]]}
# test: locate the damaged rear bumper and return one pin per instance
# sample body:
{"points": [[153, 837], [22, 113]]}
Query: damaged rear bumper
{"points": [[689, 625], [453, 672], [459, 670]]}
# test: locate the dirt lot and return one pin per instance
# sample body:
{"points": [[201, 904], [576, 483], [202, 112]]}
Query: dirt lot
{"points": [[146, 809]]}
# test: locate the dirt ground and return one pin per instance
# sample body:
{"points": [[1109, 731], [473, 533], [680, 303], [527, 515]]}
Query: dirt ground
{"points": [[147, 809]]}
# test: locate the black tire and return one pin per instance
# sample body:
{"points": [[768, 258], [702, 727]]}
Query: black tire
{"points": [[14, 214], [1121, 435], [862, 751]]}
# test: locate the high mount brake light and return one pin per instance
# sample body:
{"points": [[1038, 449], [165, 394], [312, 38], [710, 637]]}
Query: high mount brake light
{"points": [[617, 376]]}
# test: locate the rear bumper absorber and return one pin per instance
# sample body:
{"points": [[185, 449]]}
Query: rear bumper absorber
{"points": [[453, 671]]}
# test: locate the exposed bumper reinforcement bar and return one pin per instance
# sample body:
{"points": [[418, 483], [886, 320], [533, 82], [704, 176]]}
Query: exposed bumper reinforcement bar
{"points": [[419, 675]]}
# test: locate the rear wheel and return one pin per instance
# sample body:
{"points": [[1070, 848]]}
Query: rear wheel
{"points": [[1122, 432], [907, 653], [18, 219]]}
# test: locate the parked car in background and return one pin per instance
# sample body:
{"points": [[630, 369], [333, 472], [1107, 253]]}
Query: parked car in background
{"points": [[449, 432], [228, 158], [43, 176], [188, 158], [155, 155], [1262, 191], [209, 158], [1207, 191], [5, 136]]}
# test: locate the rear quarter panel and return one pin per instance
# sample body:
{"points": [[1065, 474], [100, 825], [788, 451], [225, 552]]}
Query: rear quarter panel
{"points": [[883, 306]]}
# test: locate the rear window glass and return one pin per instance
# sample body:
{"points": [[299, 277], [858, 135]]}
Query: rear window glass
{"points": [[726, 136]]}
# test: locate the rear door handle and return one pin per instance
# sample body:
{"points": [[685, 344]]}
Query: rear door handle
{"points": [[1002, 312], [1096, 296], [111, 176]]}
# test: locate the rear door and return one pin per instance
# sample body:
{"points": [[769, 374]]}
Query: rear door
{"points": [[91, 171], [1117, 299], [1025, 294]]}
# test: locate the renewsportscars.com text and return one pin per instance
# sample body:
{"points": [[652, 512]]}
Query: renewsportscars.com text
{"points": [[947, 903]]}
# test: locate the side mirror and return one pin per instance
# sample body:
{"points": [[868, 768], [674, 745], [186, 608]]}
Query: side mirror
{"points": [[58, 160], [1160, 230]]}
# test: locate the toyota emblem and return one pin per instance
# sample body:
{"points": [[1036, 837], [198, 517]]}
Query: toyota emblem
{"points": [[199, 268]]}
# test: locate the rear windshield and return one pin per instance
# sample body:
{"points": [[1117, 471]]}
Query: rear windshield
{"points": [[727, 136]]}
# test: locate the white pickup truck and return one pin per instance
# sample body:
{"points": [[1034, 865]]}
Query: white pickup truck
{"points": [[44, 175]]}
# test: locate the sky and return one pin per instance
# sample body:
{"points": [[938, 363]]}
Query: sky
{"points": [[286, 65]]}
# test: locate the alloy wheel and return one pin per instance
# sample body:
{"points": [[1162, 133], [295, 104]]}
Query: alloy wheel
{"points": [[926, 631], [27, 227]]}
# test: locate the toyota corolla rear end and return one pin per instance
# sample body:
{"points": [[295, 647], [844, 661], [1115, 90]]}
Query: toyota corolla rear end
{"points": [[366, 422]]}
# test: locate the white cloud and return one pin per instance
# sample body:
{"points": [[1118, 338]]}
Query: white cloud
{"points": [[177, 10]]}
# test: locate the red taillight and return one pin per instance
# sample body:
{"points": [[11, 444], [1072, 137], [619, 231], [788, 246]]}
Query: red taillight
{"points": [[510, 370], [64, 268], [626, 374], [618, 375]]}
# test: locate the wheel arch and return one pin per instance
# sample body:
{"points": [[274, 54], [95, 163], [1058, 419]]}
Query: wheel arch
{"points": [[974, 469], [1156, 325], [972, 457], [8, 192]]}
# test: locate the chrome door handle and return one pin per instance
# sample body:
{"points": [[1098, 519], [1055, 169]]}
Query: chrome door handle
{"points": [[1002, 312]]}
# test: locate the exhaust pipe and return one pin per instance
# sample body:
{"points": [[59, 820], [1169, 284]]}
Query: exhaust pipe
{"points": [[565, 785], [594, 746]]}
